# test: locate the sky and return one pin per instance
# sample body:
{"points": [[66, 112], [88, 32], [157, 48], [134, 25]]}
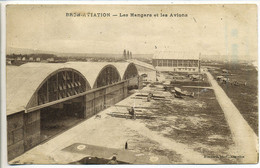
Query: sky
{"points": [[207, 29]]}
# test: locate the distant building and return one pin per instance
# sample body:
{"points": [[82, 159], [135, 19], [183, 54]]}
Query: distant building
{"points": [[38, 59], [19, 59], [50, 59], [44, 61], [176, 61], [9, 61], [31, 59], [144, 69], [24, 59]]}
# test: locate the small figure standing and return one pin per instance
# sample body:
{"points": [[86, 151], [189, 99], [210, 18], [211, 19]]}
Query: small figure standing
{"points": [[149, 97], [126, 145], [132, 113]]}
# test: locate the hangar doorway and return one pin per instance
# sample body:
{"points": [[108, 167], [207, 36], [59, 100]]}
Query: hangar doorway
{"points": [[60, 86], [60, 117]]}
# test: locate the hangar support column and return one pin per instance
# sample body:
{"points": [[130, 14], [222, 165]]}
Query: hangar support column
{"points": [[32, 129], [89, 109], [23, 132], [15, 134]]}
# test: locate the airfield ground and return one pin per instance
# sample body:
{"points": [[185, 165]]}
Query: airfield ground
{"points": [[245, 98], [189, 130]]}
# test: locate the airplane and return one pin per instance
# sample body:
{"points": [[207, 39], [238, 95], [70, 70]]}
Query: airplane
{"points": [[132, 112], [237, 83], [178, 93], [93, 154]]}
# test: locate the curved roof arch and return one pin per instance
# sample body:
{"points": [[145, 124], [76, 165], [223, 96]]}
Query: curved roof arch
{"points": [[101, 71], [91, 70], [25, 80], [123, 67], [131, 65]]}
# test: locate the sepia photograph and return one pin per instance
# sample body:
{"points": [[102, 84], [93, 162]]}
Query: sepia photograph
{"points": [[142, 84]]}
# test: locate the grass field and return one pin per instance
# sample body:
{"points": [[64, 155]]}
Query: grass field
{"points": [[198, 122], [245, 98]]}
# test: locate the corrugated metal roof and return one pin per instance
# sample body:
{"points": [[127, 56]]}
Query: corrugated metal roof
{"points": [[176, 55], [143, 64], [23, 81]]}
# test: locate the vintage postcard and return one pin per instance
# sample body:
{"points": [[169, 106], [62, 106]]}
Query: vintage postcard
{"points": [[132, 84]]}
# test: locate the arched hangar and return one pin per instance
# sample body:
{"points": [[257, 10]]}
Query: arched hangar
{"points": [[43, 99]]}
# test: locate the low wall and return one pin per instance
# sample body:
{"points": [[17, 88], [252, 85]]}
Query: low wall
{"points": [[24, 129], [32, 129], [15, 135], [23, 132], [100, 99]]}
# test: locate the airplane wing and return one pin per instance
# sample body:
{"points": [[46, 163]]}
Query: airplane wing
{"points": [[122, 155]]}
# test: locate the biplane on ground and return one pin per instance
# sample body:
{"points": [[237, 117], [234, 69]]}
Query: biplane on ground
{"points": [[128, 114], [178, 93], [237, 83], [149, 96], [226, 80]]}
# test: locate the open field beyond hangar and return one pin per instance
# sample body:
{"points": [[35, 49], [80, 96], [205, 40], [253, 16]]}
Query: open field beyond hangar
{"points": [[243, 96], [170, 130]]}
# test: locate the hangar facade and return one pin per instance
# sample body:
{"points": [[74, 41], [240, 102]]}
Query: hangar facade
{"points": [[42, 98], [172, 61]]}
